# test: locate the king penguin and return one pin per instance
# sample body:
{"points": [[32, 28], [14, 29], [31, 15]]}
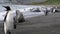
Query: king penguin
{"points": [[8, 20]]}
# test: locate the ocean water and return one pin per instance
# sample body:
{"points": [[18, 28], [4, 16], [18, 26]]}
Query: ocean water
{"points": [[25, 9]]}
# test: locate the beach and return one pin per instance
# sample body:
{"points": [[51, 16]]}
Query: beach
{"points": [[37, 23], [49, 24]]}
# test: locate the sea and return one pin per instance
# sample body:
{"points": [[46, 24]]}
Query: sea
{"points": [[25, 9]]}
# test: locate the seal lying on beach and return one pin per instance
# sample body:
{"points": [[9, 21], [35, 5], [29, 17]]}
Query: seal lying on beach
{"points": [[19, 18]]}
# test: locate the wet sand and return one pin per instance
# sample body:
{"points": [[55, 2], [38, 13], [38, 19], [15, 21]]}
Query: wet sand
{"points": [[49, 24]]}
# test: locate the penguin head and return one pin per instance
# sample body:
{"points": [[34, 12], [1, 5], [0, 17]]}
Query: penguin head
{"points": [[7, 8]]}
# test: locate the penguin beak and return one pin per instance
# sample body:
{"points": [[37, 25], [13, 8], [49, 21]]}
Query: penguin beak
{"points": [[7, 8], [4, 7]]}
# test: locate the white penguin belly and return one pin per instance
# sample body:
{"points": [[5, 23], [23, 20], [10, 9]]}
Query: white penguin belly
{"points": [[9, 21]]}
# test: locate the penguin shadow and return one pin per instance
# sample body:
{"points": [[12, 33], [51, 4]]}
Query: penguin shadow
{"points": [[25, 22]]}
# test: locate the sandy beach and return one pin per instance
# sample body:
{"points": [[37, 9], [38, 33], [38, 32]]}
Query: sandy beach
{"points": [[49, 24]]}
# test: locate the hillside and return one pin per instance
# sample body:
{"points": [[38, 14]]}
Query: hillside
{"points": [[32, 2], [20, 1], [48, 2]]}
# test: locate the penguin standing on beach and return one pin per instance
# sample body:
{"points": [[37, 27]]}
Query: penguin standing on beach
{"points": [[46, 12], [8, 21]]}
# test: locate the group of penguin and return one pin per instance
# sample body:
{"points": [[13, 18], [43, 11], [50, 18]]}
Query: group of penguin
{"points": [[10, 21]]}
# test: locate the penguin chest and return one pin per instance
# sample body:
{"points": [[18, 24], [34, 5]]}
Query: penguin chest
{"points": [[9, 17], [9, 21]]}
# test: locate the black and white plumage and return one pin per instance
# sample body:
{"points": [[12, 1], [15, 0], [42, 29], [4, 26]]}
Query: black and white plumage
{"points": [[8, 21]]}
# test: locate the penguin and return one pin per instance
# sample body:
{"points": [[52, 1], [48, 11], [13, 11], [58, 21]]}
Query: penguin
{"points": [[46, 12], [8, 21]]}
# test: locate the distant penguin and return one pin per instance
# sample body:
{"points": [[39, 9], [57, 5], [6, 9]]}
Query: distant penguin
{"points": [[46, 12], [54, 8], [8, 21]]}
